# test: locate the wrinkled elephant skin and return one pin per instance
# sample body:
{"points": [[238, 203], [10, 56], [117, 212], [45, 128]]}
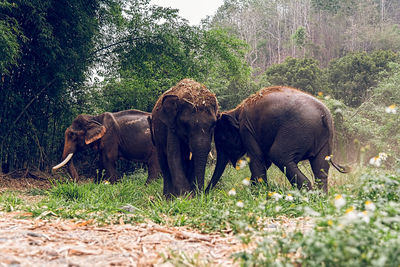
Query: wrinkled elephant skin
{"points": [[182, 124], [277, 125], [124, 134]]}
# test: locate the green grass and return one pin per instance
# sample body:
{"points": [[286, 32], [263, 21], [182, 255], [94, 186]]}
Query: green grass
{"points": [[338, 239], [9, 201]]}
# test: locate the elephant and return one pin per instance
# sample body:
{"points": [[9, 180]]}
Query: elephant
{"points": [[124, 134], [280, 125], [182, 124]]}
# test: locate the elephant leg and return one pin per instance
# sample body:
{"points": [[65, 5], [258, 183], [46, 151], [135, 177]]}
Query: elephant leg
{"points": [[293, 174], [287, 163], [109, 163], [167, 180], [284, 154], [99, 174], [320, 168], [268, 164], [153, 168], [257, 166], [179, 181]]}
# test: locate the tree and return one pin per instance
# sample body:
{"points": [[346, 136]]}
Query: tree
{"points": [[303, 74], [164, 53], [9, 46], [47, 50], [351, 77]]}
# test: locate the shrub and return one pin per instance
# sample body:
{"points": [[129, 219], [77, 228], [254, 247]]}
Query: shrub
{"points": [[301, 73], [352, 77]]}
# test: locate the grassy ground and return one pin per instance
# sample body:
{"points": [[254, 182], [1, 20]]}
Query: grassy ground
{"points": [[356, 224]]}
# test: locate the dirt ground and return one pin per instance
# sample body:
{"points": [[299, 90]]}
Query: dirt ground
{"points": [[57, 242]]}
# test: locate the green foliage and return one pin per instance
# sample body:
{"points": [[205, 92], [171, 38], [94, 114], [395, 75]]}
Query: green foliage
{"points": [[224, 69], [351, 77], [366, 234], [176, 51], [300, 36], [49, 48], [371, 128], [9, 47], [326, 5], [303, 73]]}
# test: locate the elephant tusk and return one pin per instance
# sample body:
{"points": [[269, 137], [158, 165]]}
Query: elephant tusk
{"points": [[64, 162], [210, 155], [190, 156]]}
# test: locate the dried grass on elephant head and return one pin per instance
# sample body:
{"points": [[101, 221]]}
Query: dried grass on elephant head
{"points": [[195, 93]]}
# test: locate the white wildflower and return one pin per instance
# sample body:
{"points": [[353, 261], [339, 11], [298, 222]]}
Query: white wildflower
{"points": [[364, 216], [369, 205], [232, 192], [289, 197], [391, 109], [240, 204], [351, 214], [376, 161], [242, 163], [339, 201], [275, 196], [246, 181]]}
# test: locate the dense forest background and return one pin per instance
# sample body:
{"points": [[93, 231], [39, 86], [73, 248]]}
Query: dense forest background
{"points": [[60, 58]]}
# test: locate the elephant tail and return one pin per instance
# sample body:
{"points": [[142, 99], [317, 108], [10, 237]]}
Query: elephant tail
{"points": [[340, 168], [328, 123]]}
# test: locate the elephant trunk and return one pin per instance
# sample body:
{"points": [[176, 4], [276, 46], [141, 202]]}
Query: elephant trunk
{"points": [[200, 161], [222, 161], [200, 156]]}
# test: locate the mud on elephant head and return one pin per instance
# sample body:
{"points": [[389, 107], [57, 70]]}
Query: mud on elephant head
{"points": [[123, 134], [182, 123]]}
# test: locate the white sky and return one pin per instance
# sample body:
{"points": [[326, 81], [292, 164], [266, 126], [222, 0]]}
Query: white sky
{"points": [[192, 10]]}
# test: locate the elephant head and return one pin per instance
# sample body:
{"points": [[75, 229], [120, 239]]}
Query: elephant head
{"points": [[228, 144], [83, 131]]}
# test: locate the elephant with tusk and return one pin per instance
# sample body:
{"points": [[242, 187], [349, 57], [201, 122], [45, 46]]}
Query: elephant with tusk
{"points": [[124, 134]]}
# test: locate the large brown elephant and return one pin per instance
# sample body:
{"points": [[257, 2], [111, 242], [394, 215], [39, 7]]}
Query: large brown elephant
{"points": [[182, 125], [279, 125], [124, 134]]}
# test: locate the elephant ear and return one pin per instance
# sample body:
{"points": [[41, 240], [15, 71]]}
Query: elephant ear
{"points": [[229, 137], [230, 119], [169, 110], [94, 132]]}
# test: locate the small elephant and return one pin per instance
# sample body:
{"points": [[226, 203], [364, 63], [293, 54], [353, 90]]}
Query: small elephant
{"points": [[279, 125], [124, 134], [182, 125]]}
